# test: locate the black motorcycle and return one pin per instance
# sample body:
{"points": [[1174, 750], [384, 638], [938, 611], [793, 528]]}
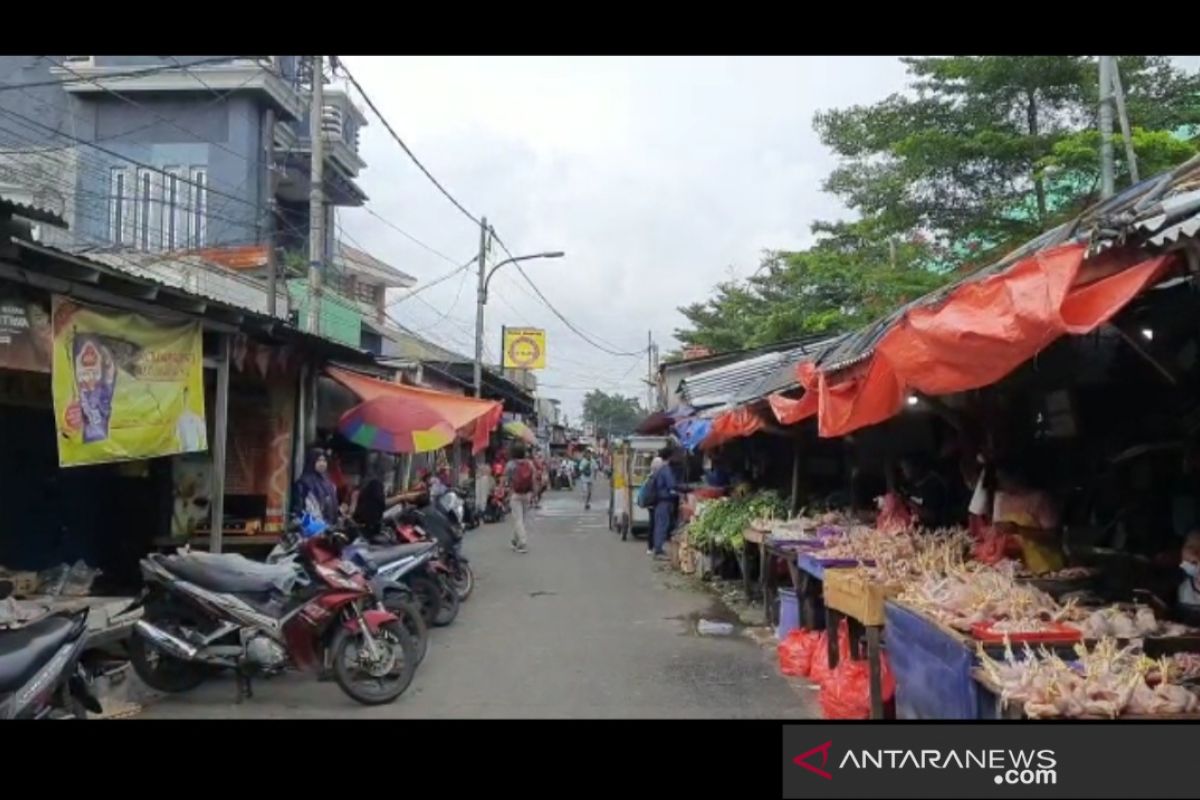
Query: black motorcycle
{"points": [[40, 674]]}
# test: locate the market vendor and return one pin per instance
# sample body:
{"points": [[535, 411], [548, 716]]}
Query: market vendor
{"points": [[1029, 513], [1189, 589], [925, 491]]}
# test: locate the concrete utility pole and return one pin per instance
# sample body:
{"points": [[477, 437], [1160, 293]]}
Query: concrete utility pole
{"points": [[1119, 95], [268, 156], [649, 371], [480, 302], [1106, 128], [316, 196]]}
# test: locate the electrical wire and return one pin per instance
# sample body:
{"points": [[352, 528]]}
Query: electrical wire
{"points": [[4, 87], [405, 147]]}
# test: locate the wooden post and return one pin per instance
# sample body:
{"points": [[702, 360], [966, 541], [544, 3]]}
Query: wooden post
{"points": [[220, 434], [795, 480], [876, 671]]}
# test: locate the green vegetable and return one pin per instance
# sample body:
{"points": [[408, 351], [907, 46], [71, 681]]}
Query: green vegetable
{"points": [[720, 523]]}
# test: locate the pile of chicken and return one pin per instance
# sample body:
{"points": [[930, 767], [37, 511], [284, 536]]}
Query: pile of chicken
{"points": [[962, 594], [1106, 681], [803, 527], [1123, 622], [902, 557]]}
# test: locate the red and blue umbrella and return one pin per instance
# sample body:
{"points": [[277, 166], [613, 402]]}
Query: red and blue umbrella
{"points": [[396, 424]]}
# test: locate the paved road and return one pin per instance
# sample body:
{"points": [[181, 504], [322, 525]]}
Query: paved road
{"points": [[584, 626]]}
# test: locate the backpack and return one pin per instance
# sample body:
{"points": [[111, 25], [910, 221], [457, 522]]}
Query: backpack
{"points": [[586, 468], [523, 477], [647, 496]]}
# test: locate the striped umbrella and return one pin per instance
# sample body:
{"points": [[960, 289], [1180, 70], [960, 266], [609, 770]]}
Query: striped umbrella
{"points": [[521, 431], [396, 424]]}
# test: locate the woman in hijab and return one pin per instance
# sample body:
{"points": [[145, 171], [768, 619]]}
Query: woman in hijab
{"points": [[315, 493]]}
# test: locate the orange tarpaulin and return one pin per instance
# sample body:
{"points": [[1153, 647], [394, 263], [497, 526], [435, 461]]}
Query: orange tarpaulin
{"points": [[732, 424], [790, 410], [473, 418], [983, 330]]}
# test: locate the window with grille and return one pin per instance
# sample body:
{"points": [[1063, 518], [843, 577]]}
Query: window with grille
{"points": [[174, 218], [198, 208], [145, 210], [120, 227]]}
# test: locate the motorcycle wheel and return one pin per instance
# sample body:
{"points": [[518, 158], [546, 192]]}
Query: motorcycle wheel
{"points": [[409, 612], [162, 672], [450, 604], [428, 597], [363, 685], [462, 580]]}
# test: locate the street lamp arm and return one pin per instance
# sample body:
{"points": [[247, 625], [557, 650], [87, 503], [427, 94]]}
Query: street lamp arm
{"points": [[487, 281]]}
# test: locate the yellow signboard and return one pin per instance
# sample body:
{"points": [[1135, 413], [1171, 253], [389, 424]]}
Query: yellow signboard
{"points": [[524, 348], [125, 386]]}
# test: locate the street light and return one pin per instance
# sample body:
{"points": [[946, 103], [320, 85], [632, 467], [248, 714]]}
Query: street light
{"points": [[481, 300]]}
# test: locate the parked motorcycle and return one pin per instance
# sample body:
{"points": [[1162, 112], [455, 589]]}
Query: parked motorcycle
{"points": [[40, 674], [435, 583], [447, 528], [205, 612], [397, 574], [497, 507]]}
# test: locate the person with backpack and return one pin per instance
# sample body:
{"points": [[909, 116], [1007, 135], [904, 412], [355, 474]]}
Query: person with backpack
{"points": [[520, 475], [659, 495], [587, 471]]}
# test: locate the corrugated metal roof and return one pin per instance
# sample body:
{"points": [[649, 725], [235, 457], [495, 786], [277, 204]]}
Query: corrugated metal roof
{"points": [[351, 259], [191, 274], [31, 211], [1155, 213], [748, 379]]}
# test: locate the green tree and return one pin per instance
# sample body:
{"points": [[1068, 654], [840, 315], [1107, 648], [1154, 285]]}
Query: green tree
{"points": [[612, 414], [989, 149]]}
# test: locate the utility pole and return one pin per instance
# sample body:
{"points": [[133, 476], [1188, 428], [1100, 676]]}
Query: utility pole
{"points": [[1106, 128], [268, 155], [1119, 95], [316, 196], [649, 371], [480, 301]]}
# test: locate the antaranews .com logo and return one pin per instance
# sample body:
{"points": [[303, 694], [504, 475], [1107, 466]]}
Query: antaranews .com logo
{"points": [[1007, 767]]}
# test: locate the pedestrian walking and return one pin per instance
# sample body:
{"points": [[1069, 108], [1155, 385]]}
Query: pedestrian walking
{"points": [[520, 475], [587, 473]]}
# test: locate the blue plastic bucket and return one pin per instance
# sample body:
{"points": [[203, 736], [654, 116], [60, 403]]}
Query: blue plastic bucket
{"points": [[789, 613]]}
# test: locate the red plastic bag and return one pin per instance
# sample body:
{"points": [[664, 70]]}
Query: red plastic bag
{"points": [[894, 514], [990, 545], [796, 652], [847, 692], [819, 672]]}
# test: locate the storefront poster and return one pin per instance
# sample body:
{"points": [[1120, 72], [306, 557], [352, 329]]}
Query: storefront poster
{"points": [[25, 340], [125, 386]]}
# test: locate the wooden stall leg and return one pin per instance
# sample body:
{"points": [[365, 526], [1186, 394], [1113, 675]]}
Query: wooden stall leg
{"points": [[747, 585], [876, 670], [770, 591], [832, 618]]}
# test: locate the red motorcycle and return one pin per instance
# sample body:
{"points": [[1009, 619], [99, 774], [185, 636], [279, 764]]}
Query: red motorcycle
{"points": [[205, 612]]}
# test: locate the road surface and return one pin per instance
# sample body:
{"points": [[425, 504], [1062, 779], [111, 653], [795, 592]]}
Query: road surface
{"points": [[583, 626]]}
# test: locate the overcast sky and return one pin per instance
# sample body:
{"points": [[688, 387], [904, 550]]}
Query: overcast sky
{"points": [[656, 175]]}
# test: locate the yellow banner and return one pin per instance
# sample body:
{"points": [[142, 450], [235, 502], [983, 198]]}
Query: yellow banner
{"points": [[125, 386], [524, 348]]}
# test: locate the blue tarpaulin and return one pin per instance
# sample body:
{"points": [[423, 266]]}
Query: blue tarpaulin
{"points": [[692, 431], [932, 668]]}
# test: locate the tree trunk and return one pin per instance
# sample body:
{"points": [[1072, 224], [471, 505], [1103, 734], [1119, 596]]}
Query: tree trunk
{"points": [[1039, 185]]}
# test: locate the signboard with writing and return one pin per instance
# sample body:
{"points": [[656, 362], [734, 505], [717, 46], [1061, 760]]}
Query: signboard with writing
{"points": [[524, 348], [125, 386], [24, 333]]}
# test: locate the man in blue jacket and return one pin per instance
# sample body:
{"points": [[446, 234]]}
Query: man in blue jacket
{"points": [[666, 495]]}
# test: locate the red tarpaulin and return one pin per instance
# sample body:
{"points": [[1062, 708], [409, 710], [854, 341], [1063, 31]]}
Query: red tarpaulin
{"points": [[732, 424], [983, 330], [474, 419]]}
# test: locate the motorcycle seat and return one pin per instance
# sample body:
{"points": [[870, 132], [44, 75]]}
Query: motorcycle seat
{"points": [[231, 573], [25, 650], [384, 555]]}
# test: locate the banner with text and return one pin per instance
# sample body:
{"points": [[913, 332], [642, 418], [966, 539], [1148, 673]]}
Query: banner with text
{"points": [[24, 332], [1025, 760], [125, 386], [524, 348]]}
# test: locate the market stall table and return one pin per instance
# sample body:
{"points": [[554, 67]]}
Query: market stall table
{"points": [[852, 595]]}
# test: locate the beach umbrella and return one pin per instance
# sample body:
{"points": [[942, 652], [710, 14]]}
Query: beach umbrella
{"points": [[396, 424]]}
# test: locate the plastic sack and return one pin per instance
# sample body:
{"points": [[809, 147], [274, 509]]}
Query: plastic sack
{"points": [[819, 672], [847, 692], [796, 652]]}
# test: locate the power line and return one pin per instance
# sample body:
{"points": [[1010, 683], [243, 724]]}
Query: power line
{"points": [[406, 148], [557, 313], [4, 87]]}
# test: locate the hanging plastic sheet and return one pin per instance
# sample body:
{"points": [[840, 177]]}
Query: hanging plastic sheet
{"points": [[732, 424], [790, 410], [692, 431], [983, 330]]}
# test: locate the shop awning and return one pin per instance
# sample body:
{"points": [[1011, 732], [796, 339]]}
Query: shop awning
{"points": [[981, 330], [519, 431], [733, 424], [474, 419]]}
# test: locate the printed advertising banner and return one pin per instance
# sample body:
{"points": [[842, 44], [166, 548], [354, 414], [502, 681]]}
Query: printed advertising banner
{"points": [[524, 348], [125, 386], [24, 333]]}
